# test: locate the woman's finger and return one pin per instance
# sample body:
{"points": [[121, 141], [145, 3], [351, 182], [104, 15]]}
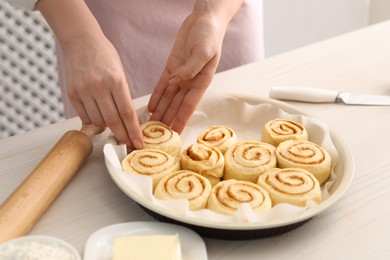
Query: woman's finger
{"points": [[174, 107], [81, 111], [164, 102], [158, 91], [93, 111], [189, 104], [128, 116]]}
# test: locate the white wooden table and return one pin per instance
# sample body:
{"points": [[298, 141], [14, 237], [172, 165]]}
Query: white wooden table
{"points": [[356, 227]]}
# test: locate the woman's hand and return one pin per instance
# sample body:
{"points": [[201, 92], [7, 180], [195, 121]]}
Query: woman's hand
{"points": [[96, 82], [192, 63], [98, 90]]}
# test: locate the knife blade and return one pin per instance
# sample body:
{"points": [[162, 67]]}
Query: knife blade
{"points": [[316, 95]]}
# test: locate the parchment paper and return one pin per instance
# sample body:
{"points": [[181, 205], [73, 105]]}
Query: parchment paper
{"points": [[247, 120]]}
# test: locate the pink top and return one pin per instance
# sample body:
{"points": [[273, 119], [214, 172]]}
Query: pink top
{"points": [[143, 33]]}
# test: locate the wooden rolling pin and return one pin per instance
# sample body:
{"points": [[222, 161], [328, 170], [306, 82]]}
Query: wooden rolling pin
{"points": [[25, 206]]}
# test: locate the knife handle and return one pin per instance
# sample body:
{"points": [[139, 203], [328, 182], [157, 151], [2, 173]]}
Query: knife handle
{"points": [[313, 95]]}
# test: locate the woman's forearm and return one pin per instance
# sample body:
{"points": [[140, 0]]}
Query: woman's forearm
{"points": [[70, 20]]}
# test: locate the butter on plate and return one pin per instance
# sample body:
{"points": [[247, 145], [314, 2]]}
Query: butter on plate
{"points": [[162, 247]]}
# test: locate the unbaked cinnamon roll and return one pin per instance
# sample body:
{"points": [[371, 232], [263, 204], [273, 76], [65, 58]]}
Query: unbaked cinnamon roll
{"points": [[150, 162], [221, 137], [278, 130], [290, 185], [208, 162], [161, 137], [185, 184], [248, 159], [226, 197], [305, 155]]}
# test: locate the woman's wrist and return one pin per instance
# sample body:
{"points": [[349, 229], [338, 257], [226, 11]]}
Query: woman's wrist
{"points": [[222, 10]]}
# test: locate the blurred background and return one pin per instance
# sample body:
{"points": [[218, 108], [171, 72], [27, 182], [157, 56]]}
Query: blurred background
{"points": [[29, 91]]}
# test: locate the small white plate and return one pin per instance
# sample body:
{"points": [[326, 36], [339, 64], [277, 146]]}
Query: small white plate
{"points": [[99, 245]]}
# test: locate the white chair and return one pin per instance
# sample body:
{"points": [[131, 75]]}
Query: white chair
{"points": [[29, 91]]}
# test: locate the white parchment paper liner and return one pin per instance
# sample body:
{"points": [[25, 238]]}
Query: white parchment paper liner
{"points": [[247, 120]]}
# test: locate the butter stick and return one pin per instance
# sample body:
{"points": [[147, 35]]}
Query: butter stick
{"points": [[145, 247]]}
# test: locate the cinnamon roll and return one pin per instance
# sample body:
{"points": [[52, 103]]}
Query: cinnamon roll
{"points": [[248, 159], [226, 197], [278, 130], [161, 137], [150, 162], [306, 155], [220, 137], [290, 185], [208, 162], [185, 184]]}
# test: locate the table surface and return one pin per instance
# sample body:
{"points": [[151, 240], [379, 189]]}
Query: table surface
{"points": [[357, 226]]}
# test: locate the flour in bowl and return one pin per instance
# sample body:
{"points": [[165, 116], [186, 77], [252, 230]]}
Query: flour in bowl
{"points": [[34, 250]]}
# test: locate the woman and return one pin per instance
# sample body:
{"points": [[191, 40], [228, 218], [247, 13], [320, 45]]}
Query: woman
{"points": [[112, 51]]}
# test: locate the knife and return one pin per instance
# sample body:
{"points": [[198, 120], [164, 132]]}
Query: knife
{"points": [[315, 95]]}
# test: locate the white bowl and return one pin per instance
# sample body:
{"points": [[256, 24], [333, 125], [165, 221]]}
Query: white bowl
{"points": [[40, 246], [344, 169]]}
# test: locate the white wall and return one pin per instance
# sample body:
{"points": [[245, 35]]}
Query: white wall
{"points": [[290, 24], [379, 10]]}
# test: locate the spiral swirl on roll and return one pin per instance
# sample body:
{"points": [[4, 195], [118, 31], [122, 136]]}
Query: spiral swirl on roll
{"points": [[185, 184], [278, 130], [226, 197], [306, 155], [220, 137], [290, 185], [150, 162], [161, 137], [209, 162], [248, 159]]}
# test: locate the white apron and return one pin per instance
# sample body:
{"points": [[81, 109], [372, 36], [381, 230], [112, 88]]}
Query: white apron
{"points": [[143, 33]]}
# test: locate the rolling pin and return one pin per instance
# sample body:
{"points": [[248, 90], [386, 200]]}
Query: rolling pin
{"points": [[30, 200]]}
